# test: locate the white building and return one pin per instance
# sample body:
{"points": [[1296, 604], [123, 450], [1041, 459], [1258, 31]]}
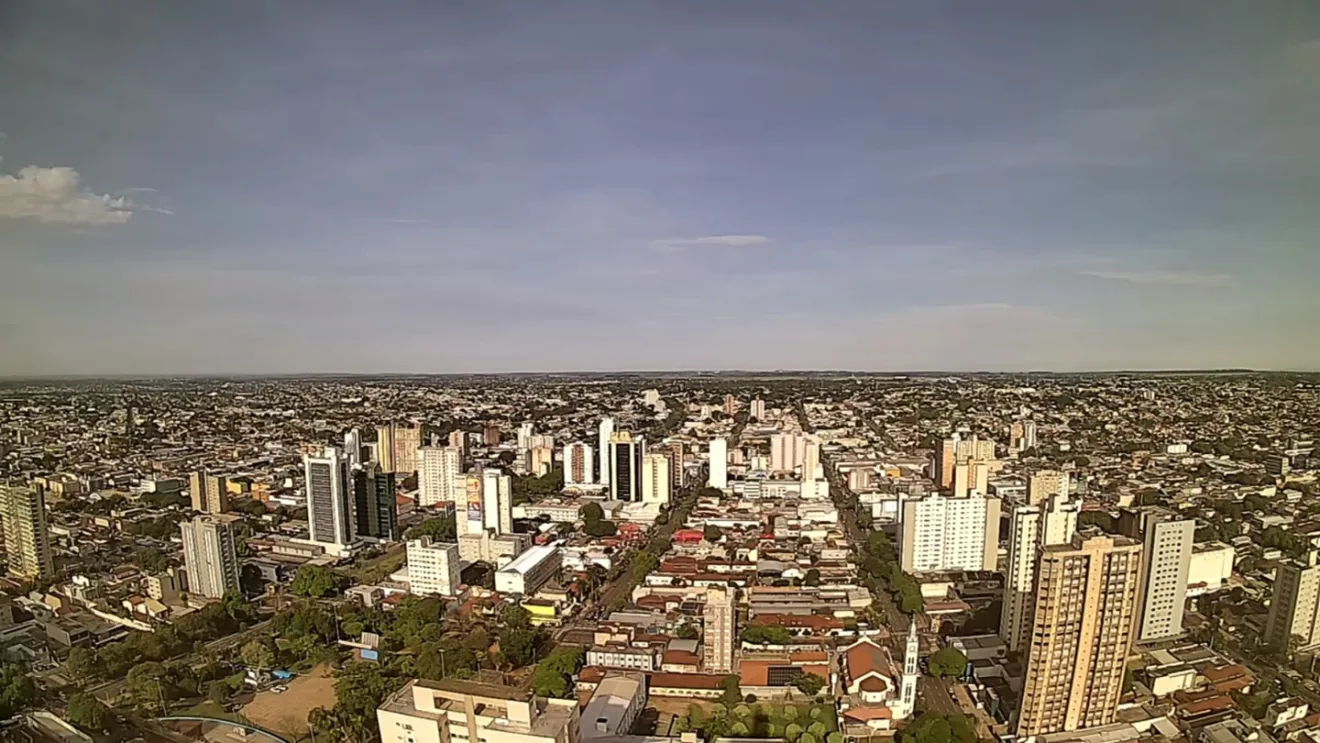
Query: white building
{"points": [[1210, 568], [944, 533], [439, 469], [497, 501], [757, 409], [719, 464], [606, 432], [655, 478], [787, 451], [210, 555], [1166, 555], [329, 511], [1030, 528], [433, 567], [470, 712], [525, 432], [579, 465], [615, 705], [529, 571], [719, 636]]}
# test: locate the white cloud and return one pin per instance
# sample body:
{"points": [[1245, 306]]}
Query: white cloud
{"points": [[1166, 278], [725, 241], [56, 195]]}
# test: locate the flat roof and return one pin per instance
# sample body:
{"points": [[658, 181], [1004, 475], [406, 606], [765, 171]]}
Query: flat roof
{"points": [[476, 688], [609, 703], [530, 558]]}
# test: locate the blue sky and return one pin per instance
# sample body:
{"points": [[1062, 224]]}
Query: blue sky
{"points": [[507, 185]]}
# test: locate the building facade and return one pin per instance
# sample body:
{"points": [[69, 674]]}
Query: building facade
{"points": [[625, 465], [942, 533], [438, 472], [1166, 557], [579, 465], [1295, 605], [27, 536], [472, 712], [210, 555], [719, 637], [1031, 527], [329, 512], [656, 480], [718, 476], [604, 434], [497, 500], [375, 510], [433, 567], [209, 493]]}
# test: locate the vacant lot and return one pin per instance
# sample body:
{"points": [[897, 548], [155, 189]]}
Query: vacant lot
{"points": [[287, 712]]}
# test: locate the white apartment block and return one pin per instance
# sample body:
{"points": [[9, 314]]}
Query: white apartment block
{"points": [[529, 571], [472, 712], [497, 501], [719, 636], [719, 464], [433, 568], [439, 470], [655, 478], [942, 533], [1030, 528]]}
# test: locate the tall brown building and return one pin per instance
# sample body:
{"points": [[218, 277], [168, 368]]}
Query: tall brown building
{"points": [[210, 493], [1086, 604], [491, 434], [396, 447]]}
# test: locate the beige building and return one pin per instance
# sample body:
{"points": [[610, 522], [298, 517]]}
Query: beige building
{"points": [[719, 635], [1031, 527], [1082, 631], [1046, 484], [396, 447], [579, 465], [210, 555], [540, 460], [209, 493], [27, 538], [958, 450], [655, 478], [1293, 607], [433, 567], [472, 712]]}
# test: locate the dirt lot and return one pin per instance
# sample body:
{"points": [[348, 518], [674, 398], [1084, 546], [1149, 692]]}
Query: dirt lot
{"points": [[287, 712]]}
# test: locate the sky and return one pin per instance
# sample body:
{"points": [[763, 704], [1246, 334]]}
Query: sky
{"points": [[522, 185]]}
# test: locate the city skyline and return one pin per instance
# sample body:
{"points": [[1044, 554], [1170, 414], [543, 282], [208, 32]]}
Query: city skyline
{"points": [[253, 189]]}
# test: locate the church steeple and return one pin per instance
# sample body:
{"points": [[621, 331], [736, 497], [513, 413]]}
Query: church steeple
{"points": [[908, 695]]}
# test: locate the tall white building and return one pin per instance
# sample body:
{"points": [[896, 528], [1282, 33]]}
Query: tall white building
{"points": [[811, 469], [719, 464], [433, 567], [944, 533], [497, 501], [525, 432], [579, 465], [210, 555], [1166, 555], [438, 473], [1032, 526], [719, 633], [655, 478], [757, 409], [353, 447], [606, 431], [787, 450], [329, 498]]}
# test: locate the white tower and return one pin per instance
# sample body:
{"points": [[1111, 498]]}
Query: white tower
{"points": [[606, 431], [908, 695], [719, 464]]}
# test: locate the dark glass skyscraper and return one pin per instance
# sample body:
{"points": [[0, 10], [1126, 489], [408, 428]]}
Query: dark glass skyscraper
{"points": [[373, 503]]}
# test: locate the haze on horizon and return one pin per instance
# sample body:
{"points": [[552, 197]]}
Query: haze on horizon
{"points": [[517, 185]]}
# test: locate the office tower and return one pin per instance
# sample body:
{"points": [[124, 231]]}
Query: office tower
{"points": [[209, 493], [606, 431], [730, 404], [525, 436], [438, 468], [497, 500], [1294, 608], [718, 636], [490, 435], [353, 447], [1031, 527], [719, 464], [1081, 633], [655, 478], [941, 532], [957, 450], [625, 464], [433, 567], [451, 710], [210, 555], [579, 466], [458, 440], [375, 511], [27, 538], [757, 409], [787, 450], [329, 511], [1166, 555], [540, 460], [1046, 484]]}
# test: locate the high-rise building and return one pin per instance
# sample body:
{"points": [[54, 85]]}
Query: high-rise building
{"points": [[1022, 436], [603, 439], [407, 440], [970, 476], [718, 464], [385, 448], [757, 409], [1031, 527], [942, 533], [540, 460], [438, 468], [329, 507], [210, 555], [451, 710], [209, 493], [655, 478], [1295, 606], [958, 450], [1046, 484], [625, 465], [525, 432], [375, 511], [353, 447], [497, 500], [458, 440], [27, 537], [579, 465], [474, 496], [730, 404], [433, 567], [718, 634], [1081, 634], [787, 450], [810, 467], [490, 435], [1166, 556]]}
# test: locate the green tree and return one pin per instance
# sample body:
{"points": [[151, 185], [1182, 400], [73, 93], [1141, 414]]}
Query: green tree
{"points": [[765, 634], [812, 578], [515, 617], [152, 560], [518, 646], [600, 528], [147, 683], [359, 689], [592, 512], [948, 662], [809, 684], [439, 529], [82, 664], [217, 691], [807, 737], [315, 581], [87, 712], [17, 690], [732, 691], [793, 732], [711, 533], [257, 654]]}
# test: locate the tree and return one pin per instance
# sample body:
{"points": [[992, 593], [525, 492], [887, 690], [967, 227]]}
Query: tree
{"points": [[809, 684], [518, 646], [765, 634], [515, 617], [592, 512], [711, 533], [793, 732], [257, 654], [600, 528], [146, 682], [17, 690], [217, 691], [359, 689], [82, 664], [315, 581], [87, 712], [812, 578], [948, 662], [687, 631], [439, 529], [152, 560], [553, 676], [732, 691]]}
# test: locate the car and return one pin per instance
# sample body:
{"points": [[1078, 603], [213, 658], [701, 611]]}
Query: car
{"points": [[278, 689]]}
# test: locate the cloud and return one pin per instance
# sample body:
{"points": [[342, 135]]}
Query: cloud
{"points": [[1166, 278], [56, 195], [725, 241]]}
